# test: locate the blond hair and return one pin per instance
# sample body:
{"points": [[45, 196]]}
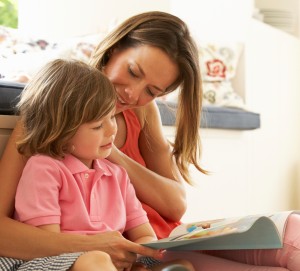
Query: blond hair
{"points": [[63, 95], [171, 35]]}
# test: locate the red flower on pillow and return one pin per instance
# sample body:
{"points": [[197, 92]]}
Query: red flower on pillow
{"points": [[216, 68]]}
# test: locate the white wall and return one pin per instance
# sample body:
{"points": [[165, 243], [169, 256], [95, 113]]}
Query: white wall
{"points": [[215, 19], [208, 19], [67, 18], [292, 6]]}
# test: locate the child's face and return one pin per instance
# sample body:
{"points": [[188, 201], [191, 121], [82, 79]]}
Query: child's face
{"points": [[95, 139]]}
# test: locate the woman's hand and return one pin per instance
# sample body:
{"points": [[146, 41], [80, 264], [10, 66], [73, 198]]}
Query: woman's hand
{"points": [[122, 251], [115, 155]]}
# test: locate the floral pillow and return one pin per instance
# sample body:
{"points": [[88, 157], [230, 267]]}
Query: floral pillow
{"points": [[221, 93], [22, 56], [218, 63]]}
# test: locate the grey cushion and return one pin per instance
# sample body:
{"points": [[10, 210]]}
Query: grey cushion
{"points": [[212, 117], [229, 118]]}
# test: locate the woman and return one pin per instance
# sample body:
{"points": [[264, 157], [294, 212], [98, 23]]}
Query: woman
{"points": [[149, 55]]}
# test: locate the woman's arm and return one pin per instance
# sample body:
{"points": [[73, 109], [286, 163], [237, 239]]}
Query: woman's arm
{"points": [[11, 167], [15, 236], [160, 185]]}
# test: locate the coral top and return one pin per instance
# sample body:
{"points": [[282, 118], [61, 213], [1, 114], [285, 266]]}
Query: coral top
{"points": [[161, 225]]}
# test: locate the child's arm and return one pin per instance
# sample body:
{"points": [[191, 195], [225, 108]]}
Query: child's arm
{"points": [[141, 234], [50, 227]]}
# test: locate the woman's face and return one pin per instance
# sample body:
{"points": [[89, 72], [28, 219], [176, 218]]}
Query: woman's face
{"points": [[140, 74]]}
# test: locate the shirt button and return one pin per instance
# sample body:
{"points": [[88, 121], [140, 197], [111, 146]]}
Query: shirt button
{"points": [[86, 175]]}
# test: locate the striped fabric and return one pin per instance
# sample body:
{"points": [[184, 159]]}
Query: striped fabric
{"points": [[148, 261], [61, 262]]}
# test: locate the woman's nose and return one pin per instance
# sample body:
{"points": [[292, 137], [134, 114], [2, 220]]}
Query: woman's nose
{"points": [[132, 94]]}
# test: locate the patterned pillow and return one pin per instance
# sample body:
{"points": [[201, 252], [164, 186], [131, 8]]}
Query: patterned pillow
{"points": [[221, 93], [21, 57], [218, 63]]}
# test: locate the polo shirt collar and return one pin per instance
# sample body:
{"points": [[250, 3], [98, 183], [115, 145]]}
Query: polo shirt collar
{"points": [[101, 165], [76, 166]]}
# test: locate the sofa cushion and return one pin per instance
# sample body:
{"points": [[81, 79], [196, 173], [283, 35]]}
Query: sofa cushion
{"points": [[214, 117]]}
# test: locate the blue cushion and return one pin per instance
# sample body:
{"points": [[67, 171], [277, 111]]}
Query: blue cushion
{"points": [[214, 117]]}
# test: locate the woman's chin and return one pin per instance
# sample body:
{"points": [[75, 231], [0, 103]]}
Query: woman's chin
{"points": [[123, 107]]}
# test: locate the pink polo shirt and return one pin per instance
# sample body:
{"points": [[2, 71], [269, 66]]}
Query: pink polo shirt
{"points": [[80, 199]]}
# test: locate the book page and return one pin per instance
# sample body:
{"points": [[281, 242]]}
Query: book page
{"points": [[249, 232], [278, 218], [200, 226]]}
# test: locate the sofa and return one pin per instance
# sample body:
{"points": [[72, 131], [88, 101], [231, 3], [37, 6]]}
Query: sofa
{"points": [[212, 117]]}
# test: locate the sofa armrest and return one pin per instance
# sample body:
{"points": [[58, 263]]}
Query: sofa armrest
{"points": [[9, 96]]}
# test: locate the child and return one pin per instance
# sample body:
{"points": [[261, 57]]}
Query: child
{"points": [[67, 184]]}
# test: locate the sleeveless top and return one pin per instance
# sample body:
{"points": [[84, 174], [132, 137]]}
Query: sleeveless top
{"points": [[161, 225]]}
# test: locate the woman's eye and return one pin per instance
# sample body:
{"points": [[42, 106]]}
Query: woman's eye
{"points": [[132, 72], [149, 92]]}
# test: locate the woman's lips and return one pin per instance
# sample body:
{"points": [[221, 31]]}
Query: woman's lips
{"points": [[121, 104], [121, 100], [124, 104]]}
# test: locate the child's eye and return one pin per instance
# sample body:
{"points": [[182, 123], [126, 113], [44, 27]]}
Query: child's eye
{"points": [[98, 127]]}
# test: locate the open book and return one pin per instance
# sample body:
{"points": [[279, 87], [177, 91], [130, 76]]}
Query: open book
{"points": [[248, 232]]}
